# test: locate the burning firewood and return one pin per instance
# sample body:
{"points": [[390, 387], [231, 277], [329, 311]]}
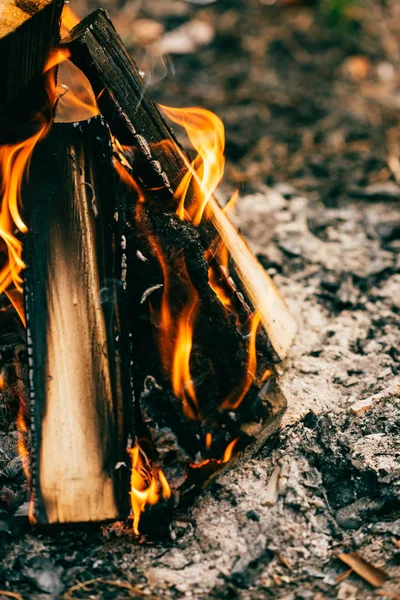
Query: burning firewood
{"points": [[72, 285], [202, 364], [158, 162], [136, 280]]}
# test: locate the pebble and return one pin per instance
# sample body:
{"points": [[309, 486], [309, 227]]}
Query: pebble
{"points": [[187, 38]]}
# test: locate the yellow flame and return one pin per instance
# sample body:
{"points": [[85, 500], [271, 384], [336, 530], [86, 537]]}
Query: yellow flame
{"points": [[148, 484], [207, 136]]}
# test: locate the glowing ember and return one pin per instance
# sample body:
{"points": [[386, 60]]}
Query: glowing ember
{"points": [[217, 461], [148, 484]]}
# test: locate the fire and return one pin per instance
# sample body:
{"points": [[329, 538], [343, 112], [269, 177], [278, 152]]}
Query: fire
{"points": [[22, 447], [175, 332], [76, 100], [14, 164], [217, 461], [207, 136], [68, 21], [234, 399], [176, 337], [148, 484], [217, 276]]}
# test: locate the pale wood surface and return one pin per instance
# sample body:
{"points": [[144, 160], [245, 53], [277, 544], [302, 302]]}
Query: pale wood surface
{"points": [[78, 429]]}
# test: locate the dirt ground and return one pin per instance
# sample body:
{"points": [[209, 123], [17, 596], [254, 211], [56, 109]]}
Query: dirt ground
{"points": [[311, 107]]}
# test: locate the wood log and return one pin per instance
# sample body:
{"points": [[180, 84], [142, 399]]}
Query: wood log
{"points": [[167, 274], [76, 347], [29, 30], [158, 162]]}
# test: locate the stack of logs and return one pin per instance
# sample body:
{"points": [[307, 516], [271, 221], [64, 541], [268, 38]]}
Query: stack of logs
{"points": [[103, 255]]}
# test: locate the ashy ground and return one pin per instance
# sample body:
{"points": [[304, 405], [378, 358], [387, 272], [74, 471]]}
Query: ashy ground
{"points": [[311, 110]]}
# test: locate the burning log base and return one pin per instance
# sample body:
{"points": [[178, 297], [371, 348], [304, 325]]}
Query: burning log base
{"points": [[139, 283], [73, 324]]}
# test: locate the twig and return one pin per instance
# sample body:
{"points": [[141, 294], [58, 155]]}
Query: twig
{"points": [[343, 576], [11, 595], [115, 583]]}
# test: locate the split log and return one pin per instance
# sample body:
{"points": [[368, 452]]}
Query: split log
{"points": [[222, 400], [72, 287], [158, 162], [29, 30]]}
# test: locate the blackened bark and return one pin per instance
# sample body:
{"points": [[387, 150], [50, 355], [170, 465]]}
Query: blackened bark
{"points": [[158, 163]]}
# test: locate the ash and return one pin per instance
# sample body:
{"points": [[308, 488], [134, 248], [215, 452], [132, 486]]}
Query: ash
{"points": [[308, 139]]}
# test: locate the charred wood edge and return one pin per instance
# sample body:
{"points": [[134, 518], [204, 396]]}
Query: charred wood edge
{"points": [[24, 53], [275, 403], [135, 120], [70, 217]]}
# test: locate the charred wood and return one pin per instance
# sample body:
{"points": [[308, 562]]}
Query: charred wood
{"points": [[167, 271], [159, 162], [80, 392], [29, 30]]}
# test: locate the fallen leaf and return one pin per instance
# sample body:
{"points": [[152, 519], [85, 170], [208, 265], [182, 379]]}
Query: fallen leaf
{"points": [[364, 569]]}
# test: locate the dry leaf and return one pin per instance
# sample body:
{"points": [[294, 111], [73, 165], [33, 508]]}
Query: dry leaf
{"points": [[343, 576], [364, 569]]}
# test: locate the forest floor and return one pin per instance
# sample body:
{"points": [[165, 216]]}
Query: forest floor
{"points": [[313, 142]]}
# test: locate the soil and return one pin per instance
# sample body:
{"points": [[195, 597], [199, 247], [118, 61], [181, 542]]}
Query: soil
{"points": [[313, 142]]}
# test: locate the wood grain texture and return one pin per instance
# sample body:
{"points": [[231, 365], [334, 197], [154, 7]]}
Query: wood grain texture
{"points": [[29, 30], [135, 120], [72, 280]]}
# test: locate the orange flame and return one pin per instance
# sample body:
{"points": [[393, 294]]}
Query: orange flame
{"points": [[68, 20], [76, 100], [176, 337], [206, 133], [235, 398], [230, 205], [217, 276], [148, 484], [182, 383], [14, 163], [217, 461], [22, 447]]}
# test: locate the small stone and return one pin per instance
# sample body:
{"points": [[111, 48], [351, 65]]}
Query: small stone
{"points": [[347, 591], [42, 572], [188, 38]]}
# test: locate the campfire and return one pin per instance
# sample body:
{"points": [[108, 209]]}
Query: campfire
{"points": [[152, 330]]}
